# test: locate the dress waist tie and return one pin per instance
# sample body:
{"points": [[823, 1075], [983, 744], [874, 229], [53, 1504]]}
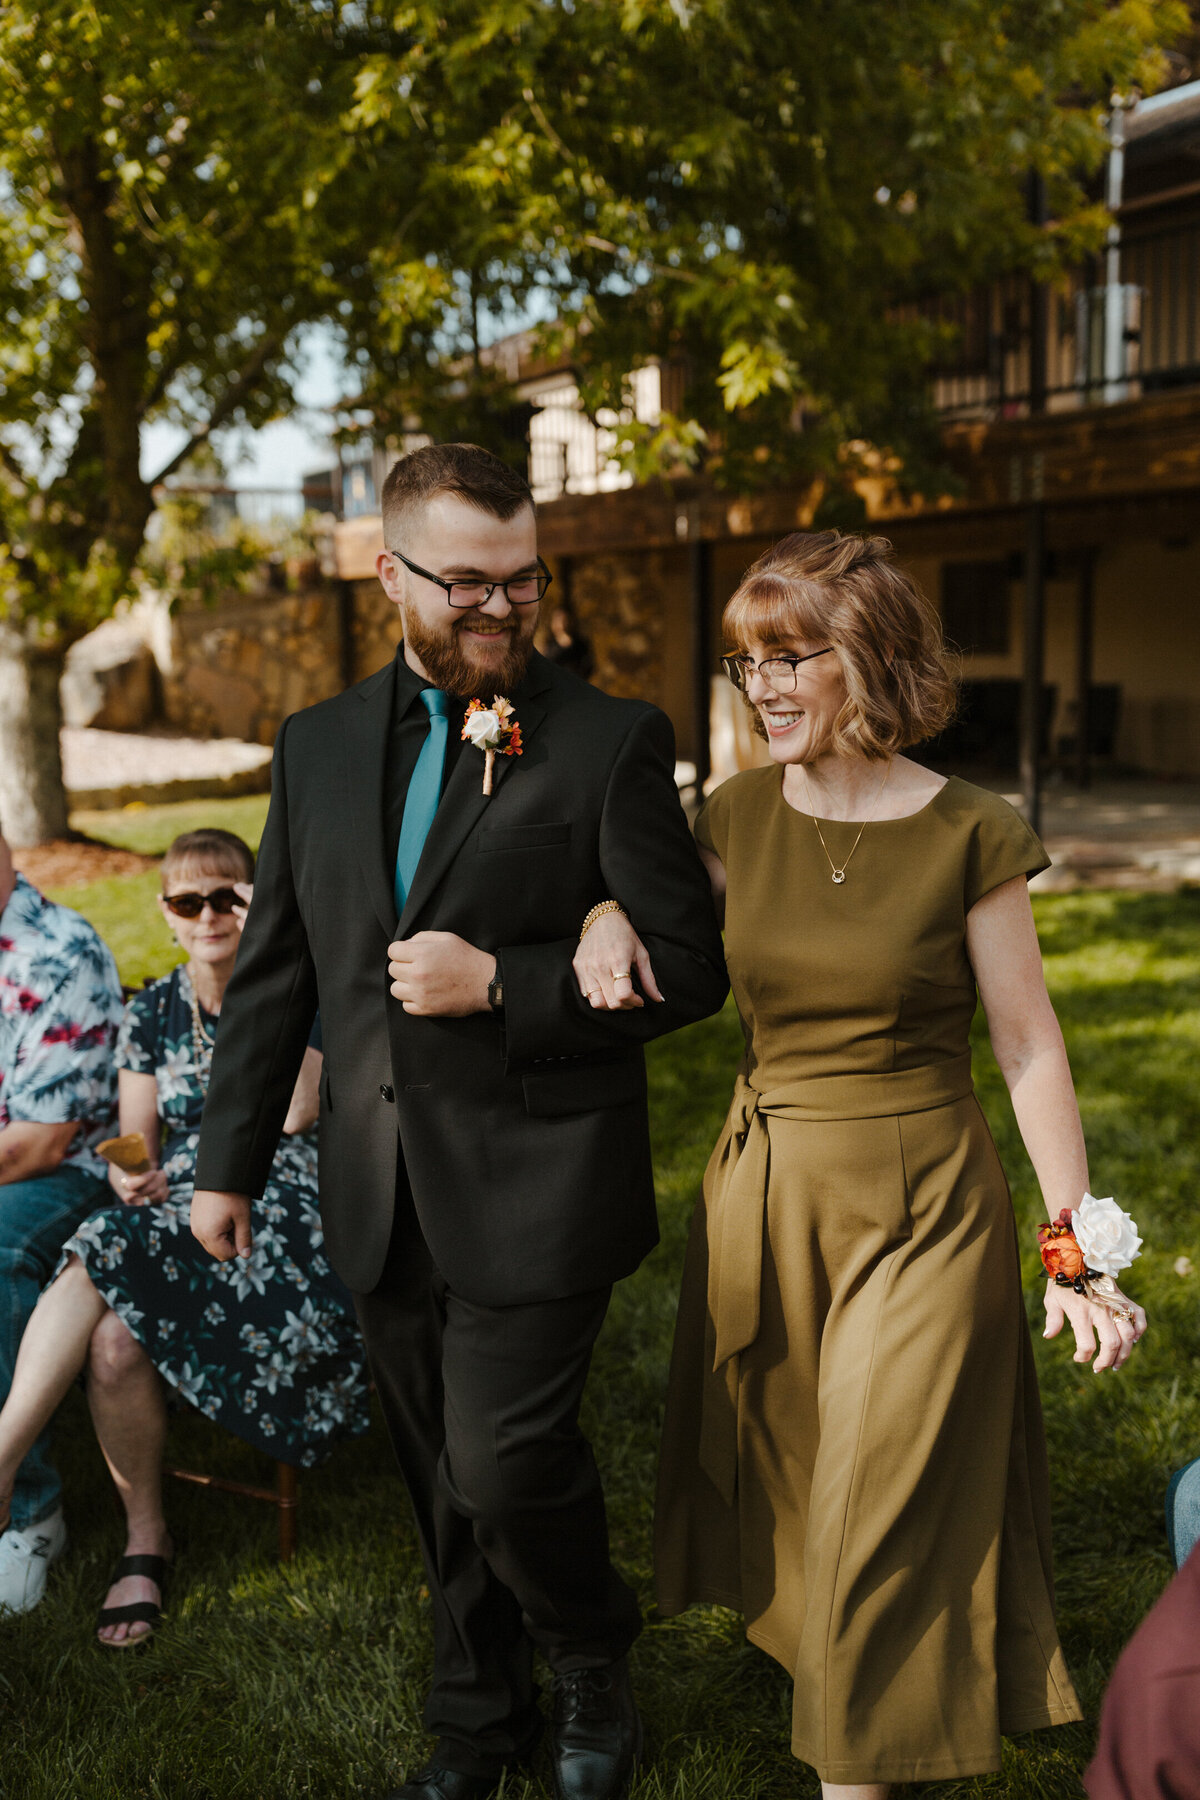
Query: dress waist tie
{"points": [[736, 1194]]}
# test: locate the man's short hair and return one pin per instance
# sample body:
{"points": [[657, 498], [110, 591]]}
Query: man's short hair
{"points": [[472, 473]]}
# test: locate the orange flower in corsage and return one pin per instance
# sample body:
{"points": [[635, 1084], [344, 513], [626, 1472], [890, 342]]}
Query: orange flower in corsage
{"points": [[494, 730], [1085, 1248], [1061, 1255]]}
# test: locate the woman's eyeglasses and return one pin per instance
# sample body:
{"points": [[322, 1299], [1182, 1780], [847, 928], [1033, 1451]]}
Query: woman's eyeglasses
{"points": [[190, 906], [779, 671]]}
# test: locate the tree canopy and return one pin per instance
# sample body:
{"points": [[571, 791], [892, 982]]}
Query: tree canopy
{"points": [[740, 188]]}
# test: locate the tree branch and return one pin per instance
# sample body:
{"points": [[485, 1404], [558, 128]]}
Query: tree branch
{"points": [[13, 469], [230, 400]]}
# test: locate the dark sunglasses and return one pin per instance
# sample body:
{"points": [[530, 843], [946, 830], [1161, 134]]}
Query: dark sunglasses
{"points": [[190, 906]]}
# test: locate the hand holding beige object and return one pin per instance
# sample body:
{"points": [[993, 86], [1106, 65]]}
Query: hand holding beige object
{"points": [[128, 1153]]}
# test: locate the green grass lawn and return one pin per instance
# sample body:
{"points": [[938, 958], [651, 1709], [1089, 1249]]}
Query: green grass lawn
{"points": [[308, 1681], [149, 829]]}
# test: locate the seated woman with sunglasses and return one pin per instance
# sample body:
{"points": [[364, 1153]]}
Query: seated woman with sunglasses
{"points": [[268, 1345]]}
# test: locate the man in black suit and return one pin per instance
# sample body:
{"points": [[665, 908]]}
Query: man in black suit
{"points": [[485, 1157]]}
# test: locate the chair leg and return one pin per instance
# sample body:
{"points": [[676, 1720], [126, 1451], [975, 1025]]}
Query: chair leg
{"points": [[287, 1486]]}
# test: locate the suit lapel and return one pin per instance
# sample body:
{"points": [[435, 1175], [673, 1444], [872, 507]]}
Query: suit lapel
{"points": [[464, 802], [367, 728]]}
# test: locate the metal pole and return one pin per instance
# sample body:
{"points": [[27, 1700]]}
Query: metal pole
{"points": [[1032, 660], [1039, 306], [1115, 387], [699, 559], [1035, 542]]}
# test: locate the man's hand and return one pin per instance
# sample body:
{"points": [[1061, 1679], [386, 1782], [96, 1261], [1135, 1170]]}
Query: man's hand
{"points": [[438, 975], [222, 1223]]}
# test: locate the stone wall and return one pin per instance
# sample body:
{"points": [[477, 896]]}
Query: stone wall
{"points": [[237, 669]]}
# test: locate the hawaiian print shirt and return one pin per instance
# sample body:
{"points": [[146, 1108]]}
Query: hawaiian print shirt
{"points": [[60, 1007]]}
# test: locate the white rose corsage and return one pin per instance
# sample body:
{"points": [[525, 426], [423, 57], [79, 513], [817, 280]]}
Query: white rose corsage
{"points": [[494, 730], [1085, 1248]]}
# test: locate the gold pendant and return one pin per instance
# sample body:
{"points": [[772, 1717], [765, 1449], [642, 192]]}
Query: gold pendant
{"points": [[839, 875]]}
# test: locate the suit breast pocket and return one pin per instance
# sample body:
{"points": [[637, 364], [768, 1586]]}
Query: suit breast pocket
{"points": [[524, 837], [585, 1089]]}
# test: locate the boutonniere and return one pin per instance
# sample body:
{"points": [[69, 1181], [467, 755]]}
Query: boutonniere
{"points": [[494, 730]]}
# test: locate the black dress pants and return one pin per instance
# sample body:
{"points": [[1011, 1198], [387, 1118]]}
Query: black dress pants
{"points": [[482, 1406]]}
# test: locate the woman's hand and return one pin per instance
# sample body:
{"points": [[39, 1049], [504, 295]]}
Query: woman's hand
{"points": [[1091, 1321], [149, 1189], [609, 951], [246, 891]]}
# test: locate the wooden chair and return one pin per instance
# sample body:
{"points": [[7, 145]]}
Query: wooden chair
{"points": [[284, 1496]]}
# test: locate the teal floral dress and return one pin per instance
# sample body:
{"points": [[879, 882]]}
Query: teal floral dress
{"points": [[267, 1345]]}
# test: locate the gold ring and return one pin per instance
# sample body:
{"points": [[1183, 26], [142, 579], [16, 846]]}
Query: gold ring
{"points": [[1123, 1312], [620, 974]]}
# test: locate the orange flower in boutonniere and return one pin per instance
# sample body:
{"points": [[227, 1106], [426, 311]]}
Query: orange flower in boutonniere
{"points": [[494, 730]]}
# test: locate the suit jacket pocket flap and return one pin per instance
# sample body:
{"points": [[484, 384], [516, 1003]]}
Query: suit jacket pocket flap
{"points": [[554, 1094], [523, 837]]}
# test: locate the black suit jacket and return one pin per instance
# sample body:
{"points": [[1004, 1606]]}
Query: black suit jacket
{"points": [[525, 1138]]}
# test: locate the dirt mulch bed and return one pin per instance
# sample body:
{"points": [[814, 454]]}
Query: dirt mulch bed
{"points": [[65, 862]]}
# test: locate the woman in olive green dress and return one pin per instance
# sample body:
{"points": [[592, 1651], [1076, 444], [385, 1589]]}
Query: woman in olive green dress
{"points": [[853, 1452]]}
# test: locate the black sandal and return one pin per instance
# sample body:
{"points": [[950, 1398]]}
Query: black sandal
{"points": [[139, 1612]]}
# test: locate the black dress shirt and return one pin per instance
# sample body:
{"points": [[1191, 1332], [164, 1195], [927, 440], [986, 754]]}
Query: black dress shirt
{"points": [[406, 739]]}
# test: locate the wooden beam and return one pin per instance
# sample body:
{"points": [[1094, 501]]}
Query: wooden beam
{"points": [[700, 569], [1033, 663]]}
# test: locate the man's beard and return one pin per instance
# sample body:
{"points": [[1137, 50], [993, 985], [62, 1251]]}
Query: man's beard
{"points": [[448, 666]]}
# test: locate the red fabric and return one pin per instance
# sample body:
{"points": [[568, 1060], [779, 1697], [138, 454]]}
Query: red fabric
{"points": [[1149, 1745]]}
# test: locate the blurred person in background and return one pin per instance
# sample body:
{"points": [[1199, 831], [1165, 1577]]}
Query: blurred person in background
{"points": [[1149, 1743], [60, 1007], [268, 1347]]}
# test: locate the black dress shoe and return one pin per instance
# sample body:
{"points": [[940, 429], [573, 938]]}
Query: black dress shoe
{"points": [[435, 1783], [596, 1734]]}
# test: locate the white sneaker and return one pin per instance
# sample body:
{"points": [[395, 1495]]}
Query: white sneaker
{"points": [[25, 1557]]}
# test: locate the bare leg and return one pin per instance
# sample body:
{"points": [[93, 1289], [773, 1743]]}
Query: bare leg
{"points": [[52, 1353], [125, 1393], [857, 1790]]}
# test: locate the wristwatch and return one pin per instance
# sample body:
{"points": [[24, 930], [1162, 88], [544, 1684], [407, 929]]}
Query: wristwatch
{"points": [[496, 991]]}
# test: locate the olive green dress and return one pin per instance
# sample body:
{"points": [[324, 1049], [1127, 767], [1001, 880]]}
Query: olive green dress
{"points": [[853, 1452]]}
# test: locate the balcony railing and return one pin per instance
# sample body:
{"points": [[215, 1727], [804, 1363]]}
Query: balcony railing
{"points": [[1103, 344]]}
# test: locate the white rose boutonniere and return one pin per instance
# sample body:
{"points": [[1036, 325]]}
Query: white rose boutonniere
{"points": [[494, 730], [1107, 1236]]}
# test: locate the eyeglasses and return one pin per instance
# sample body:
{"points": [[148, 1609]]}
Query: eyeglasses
{"points": [[518, 590], [190, 906], [780, 671]]}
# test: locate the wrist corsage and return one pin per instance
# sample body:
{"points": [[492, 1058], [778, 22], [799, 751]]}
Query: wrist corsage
{"points": [[494, 730], [1085, 1248]]}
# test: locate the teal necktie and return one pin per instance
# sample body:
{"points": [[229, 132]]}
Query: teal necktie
{"points": [[424, 792]]}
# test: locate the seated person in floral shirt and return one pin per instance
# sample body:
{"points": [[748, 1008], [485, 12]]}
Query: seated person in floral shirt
{"points": [[266, 1345], [60, 1007]]}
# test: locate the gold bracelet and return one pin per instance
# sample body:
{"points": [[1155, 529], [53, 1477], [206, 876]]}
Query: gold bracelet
{"points": [[598, 912]]}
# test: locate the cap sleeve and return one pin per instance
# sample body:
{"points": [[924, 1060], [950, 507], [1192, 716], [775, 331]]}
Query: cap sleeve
{"points": [[1002, 847], [138, 1041]]}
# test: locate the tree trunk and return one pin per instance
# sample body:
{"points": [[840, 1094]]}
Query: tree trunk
{"points": [[33, 801]]}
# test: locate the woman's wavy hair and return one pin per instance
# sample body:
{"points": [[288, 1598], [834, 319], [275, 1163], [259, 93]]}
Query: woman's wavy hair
{"points": [[821, 587], [209, 851]]}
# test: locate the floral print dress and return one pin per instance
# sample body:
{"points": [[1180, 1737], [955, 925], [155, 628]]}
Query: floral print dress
{"points": [[267, 1345]]}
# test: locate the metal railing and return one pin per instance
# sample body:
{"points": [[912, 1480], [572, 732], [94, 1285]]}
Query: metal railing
{"points": [[1103, 343]]}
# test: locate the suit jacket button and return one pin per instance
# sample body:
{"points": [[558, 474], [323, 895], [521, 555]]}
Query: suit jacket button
{"points": [[385, 1092]]}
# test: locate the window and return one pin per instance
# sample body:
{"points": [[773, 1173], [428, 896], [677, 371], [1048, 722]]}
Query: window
{"points": [[976, 607]]}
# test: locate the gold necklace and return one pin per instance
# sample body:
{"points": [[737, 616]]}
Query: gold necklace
{"points": [[839, 875]]}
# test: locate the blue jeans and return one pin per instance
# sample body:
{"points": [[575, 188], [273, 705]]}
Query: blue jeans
{"points": [[36, 1219], [1183, 1512]]}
